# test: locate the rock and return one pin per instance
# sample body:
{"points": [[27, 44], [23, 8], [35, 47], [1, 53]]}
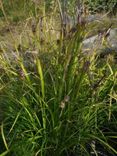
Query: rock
{"points": [[92, 18], [112, 39], [95, 43], [90, 43]]}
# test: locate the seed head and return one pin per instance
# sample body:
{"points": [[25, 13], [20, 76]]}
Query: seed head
{"points": [[66, 98], [62, 105]]}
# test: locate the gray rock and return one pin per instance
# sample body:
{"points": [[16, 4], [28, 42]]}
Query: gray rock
{"points": [[92, 18], [94, 43], [112, 39]]}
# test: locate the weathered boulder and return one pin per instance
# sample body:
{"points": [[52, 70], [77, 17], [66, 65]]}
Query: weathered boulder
{"points": [[99, 43], [112, 39]]}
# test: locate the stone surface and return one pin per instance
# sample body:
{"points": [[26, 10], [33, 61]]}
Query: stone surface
{"points": [[98, 43], [112, 39]]}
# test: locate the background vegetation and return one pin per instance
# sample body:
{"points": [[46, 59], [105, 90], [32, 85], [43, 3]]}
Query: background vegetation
{"points": [[102, 5], [27, 7]]}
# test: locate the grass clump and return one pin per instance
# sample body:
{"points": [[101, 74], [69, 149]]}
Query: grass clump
{"points": [[57, 102]]}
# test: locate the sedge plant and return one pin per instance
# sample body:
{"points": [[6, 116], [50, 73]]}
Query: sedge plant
{"points": [[61, 106]]}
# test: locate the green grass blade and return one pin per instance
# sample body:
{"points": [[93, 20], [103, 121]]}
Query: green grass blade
{"points": [[104, 143], [4, 153], [15, 121], [40, 72], [3, 137]]}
